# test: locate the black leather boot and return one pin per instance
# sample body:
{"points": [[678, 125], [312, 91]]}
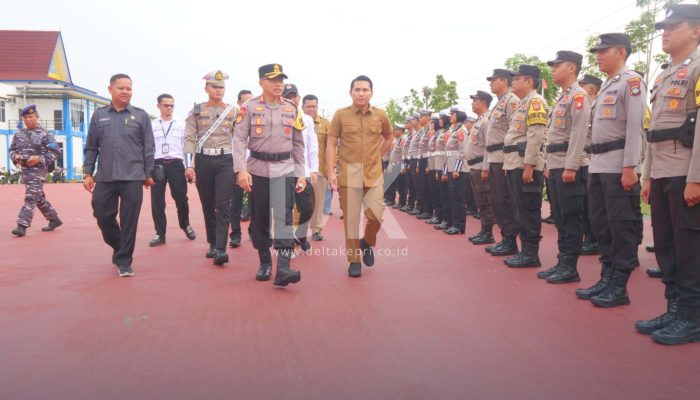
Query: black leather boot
{"points": [[605, 276], [567, 272], [508, 248], [285, 275], [550, 271], [220, 258], [486, 237], [654, 272], [443, 225], [474, 236], [650, 326], [211, 253], [20, 230], [528, 258], [265, 270], [433, 221], [683, 329], [53, 224], [589, 247], [615, 294]]}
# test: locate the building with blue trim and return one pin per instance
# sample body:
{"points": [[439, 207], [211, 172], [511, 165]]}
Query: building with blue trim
{"points": [[34, 70]]}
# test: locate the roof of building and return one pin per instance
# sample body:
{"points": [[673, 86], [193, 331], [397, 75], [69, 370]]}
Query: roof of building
{"points": [[33, 56]]}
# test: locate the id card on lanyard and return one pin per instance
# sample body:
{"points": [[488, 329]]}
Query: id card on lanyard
{"points": [[164, 149]]}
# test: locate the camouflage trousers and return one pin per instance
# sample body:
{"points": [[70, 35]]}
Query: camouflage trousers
{"points": [[34, 196]]}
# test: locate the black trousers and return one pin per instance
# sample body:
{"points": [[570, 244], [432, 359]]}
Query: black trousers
{"points": [[424, 199], [391, 184], [415, 200], [503, 208], [410, 189], [469, 197], [482, 196], [215, 187], [676, 230], [614, 220], [276, 196], [528, 204], [236, 209], [444, 214], [566, 201], [455, 195], [305, 202], [124, 198], [434, 186], [174, 171], [587, 230]]}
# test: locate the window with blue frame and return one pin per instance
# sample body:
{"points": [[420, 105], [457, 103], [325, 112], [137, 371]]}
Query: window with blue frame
{"points": [[77, 115], [2, 111]]}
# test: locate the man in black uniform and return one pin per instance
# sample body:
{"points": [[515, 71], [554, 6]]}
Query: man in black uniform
{"points": [[124, 166], [208, 161], [238, 214]]}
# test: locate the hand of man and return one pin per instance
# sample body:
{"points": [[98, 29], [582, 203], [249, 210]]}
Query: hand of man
{"points": [[629, 178], [88, 183], [314, 178], [190, 175], [333, 182], [148, 183], [527, 174], [301, 184], [692, 193], [646, 190], [484, 176], [568, 176], [455, 175], [33, 160], [245, 180]]}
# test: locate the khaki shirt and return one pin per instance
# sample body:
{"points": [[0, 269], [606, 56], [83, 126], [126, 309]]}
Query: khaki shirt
{"points": [[424, 140], [618, 113], [415, 144], [408, 137], [321, 126], [432, 144], [359, 150], [269, 128], [475, 145], [396, 156], [454, 151], [568, 123], [440, 145], [675, 94], [498, 123], [527, 126], [197, 124]]}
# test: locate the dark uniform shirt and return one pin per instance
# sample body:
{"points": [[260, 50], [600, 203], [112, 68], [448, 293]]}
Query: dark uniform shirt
{"points": [[123, 141], [35, 142]]}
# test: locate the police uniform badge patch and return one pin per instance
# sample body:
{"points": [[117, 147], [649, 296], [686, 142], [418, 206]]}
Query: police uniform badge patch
{"points": [[578, 101], [634, 84], [697, 93], [674, 104], [299, 123], [536, 115], [682, 73], [241, 114]]}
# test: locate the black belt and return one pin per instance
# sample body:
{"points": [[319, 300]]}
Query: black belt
{"points": [[167, 161], [684, 133], [557, 147], [494, 147], [258, 155], [598, 148], [519, 147], [475, 161]]}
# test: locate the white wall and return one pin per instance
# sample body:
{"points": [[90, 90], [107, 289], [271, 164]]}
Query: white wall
{"points": [[77, 156]]}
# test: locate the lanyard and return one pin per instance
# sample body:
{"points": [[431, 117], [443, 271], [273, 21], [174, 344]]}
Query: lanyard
{"points": [[165, 133]]}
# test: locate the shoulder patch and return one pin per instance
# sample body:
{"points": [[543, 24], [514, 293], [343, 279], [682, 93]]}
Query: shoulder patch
{"points": [[536, 114], [697, 93], [578, 101], [241, 113], [635, 86], [299, 122]]}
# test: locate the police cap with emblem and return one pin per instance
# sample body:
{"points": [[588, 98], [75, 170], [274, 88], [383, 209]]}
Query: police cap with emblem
{"points": [[271, 71], [499, 73], [608, 40], [564, 56], [399, 126], [591, 80], [529, 70], [425, 113], [481, 95], [28, 110], [217, 78], [289, 89], [680, 13]]}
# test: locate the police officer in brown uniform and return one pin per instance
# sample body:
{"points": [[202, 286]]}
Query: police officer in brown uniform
{"points": [[671, 178], [475, 148], [208, 161], [567, 165], [270, 127], [362, 133], [309, 105], [524, 164], [456, 171], [613, 185], [591, 85], [492, 168]]}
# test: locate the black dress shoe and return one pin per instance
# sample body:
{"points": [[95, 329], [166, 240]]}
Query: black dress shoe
{"points": [[355, 270], [442, 226], [53, 224], [454, 231], [367, 253], [245, 217], [682, 330], [221, 257], [157, 241], [549, 220], [264, 272], [316, 236], [424, 216], [235, 241], [20, 230], [433, 221], [474, 236], [589, 248], [654, 272], [395, 206], [189, 232], [650, 249], [415, 211], [484, 238], [211, 253], [477, 215], [304, 245], [522, 260]]}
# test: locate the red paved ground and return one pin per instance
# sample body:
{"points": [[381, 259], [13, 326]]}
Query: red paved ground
{"points": [[447, 321]]}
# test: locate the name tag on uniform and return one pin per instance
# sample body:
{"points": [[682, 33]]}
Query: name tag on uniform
{"points": [[165, 148]]}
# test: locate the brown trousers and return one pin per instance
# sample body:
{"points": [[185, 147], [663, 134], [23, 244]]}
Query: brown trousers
{"points": [[352, 201]]}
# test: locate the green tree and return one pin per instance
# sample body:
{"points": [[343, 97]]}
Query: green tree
{"points": [[413, 102], [551, 91], [395, 113], [444, 94]]}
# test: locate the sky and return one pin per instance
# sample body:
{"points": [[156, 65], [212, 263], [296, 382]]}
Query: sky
{"points": [[167, 47]]}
